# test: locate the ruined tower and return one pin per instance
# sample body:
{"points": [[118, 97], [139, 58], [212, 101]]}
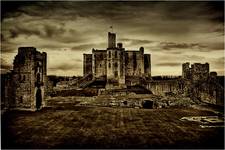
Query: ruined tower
{"points": [[29, 78], [197, 71], [186, 70], [115, 63]]}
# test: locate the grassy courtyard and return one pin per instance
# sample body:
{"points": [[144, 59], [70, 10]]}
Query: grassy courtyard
{"points": [[71, 126]]}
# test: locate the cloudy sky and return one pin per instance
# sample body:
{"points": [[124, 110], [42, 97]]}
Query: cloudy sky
{"points": [[172, 32]]}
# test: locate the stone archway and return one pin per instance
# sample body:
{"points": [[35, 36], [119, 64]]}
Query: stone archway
{"points": [[38, 98]]}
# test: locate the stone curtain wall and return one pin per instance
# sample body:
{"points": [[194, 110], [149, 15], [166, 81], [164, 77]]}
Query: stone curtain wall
{"points": [[164, 86]]}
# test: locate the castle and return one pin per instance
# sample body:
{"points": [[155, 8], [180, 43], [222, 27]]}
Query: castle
{"points": [[25, 86], [117, 64]]}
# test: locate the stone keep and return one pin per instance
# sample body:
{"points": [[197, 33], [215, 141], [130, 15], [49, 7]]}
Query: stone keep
{"points": [[116, 64], [29, 78]]}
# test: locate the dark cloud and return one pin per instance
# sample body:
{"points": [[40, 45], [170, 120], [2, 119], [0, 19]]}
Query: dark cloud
{"points": [[136, 41], [52, 31], [215, 46], [83, 47], [44, 31], [168, 64], [172, 45], [118, 10], [161, 27], [201, 47], [88, 47], [17, 30]]}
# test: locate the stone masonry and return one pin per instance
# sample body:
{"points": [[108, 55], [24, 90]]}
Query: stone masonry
{"points": [[28, 80], [115, 64]]}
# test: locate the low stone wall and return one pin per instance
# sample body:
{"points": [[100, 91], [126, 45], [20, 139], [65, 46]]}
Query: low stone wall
{"points": [[74, 92], [162, 87]]}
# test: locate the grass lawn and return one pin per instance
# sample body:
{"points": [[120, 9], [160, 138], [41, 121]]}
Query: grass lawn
{"points": [[105, 127]]}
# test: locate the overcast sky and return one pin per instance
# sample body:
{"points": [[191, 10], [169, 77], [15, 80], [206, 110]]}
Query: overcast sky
{"points": [[172, 32]]}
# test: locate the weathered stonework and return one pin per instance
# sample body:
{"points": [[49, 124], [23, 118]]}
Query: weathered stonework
{"points": [[201, 84], [87, 64], [28, 80], [116, 64], [197, 72]]}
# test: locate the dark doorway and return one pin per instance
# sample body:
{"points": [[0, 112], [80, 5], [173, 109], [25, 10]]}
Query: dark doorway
{"points": [[38, 98], [147, 104]]}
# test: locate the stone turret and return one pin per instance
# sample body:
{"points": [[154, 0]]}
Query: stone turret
{"points": [[111, 40]]}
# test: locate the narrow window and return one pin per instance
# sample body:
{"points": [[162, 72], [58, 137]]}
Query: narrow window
{"points": [[100, 65], [115, 54], [116, 65], [109, 54], [109, 65]]}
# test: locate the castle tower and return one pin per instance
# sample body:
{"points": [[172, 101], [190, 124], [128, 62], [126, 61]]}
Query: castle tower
{"points": [[115, 63], [186, 70], [29, 78], [111, 40]]}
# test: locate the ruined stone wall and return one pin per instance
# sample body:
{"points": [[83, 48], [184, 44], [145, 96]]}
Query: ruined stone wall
{"points": [[200, 72], [163, 86], [186, 71], [99, 62], [209, 91], [202, 85], [87, 64], [197, 72], [29, 75]]}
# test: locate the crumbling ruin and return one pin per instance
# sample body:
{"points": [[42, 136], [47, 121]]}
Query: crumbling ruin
{"points": [[114, 71], [25, 85], [201, 84]]}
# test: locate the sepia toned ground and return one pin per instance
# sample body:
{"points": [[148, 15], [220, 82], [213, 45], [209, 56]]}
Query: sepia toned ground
{"points": [[67, 125]]}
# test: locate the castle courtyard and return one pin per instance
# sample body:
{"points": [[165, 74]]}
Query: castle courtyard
{"points": [[65, 124]]}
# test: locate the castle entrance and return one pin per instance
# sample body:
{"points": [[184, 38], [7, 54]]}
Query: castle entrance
{"points": [[38, 98]]}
